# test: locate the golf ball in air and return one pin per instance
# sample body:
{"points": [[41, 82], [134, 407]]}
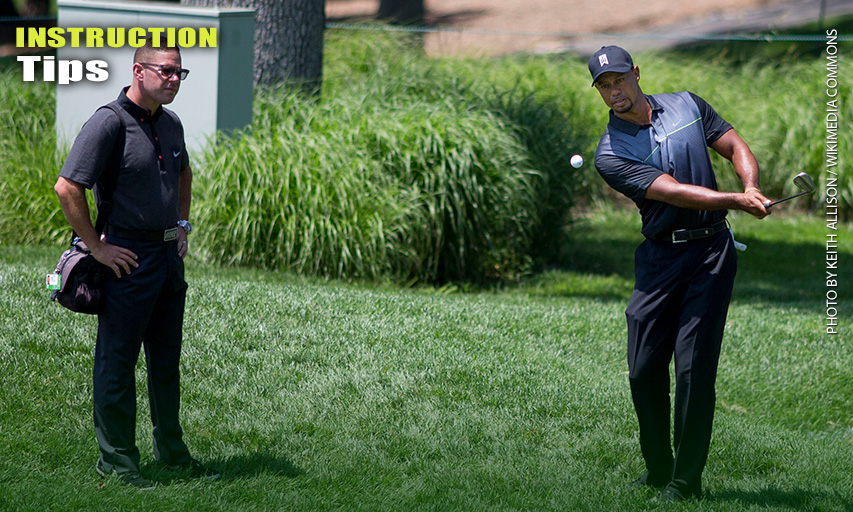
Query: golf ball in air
{"points": [[576, 161]]}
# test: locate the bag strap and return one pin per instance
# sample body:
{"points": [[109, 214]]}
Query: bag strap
{"points": [[109, 179]]}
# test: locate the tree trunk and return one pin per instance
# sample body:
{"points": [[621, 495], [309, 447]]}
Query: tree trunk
{"points": [[402, 12], [7, 9], [36, 8], [288, 40], [7, 28]]}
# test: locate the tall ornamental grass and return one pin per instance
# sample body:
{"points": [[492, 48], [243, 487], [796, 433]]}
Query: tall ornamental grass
{"points": [[364, 185], [29, 162], [462, 180]]}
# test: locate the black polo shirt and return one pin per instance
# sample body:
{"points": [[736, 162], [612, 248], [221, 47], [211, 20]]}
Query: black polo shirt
{"points": [[630, 157], [146, 195]]}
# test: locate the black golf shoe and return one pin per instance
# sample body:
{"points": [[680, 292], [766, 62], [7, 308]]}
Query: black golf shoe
{"points": [[131, 478], [646, 480]]}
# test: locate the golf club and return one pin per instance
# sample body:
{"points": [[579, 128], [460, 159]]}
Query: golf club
{"points": [[803, 182]]}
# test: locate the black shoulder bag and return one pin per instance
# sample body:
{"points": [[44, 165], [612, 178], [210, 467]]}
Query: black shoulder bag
{"points": [[81, 276]]}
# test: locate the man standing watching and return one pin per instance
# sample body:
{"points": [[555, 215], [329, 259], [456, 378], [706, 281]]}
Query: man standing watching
{"points": [[143, 245], [655, 152]]}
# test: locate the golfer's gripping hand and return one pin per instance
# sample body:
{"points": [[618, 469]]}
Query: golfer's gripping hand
{"points": [[753, 202]]}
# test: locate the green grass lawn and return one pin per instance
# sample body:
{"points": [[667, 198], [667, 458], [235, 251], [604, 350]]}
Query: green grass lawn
{"points": [[312, 395]]}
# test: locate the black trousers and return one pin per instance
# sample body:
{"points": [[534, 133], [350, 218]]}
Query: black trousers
{"points": [[678, 308], [144, 309]]}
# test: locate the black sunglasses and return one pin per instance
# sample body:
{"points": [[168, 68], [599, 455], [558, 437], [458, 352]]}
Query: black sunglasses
{"points": [[168, 71]]}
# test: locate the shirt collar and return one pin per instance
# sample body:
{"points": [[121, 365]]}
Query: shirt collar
{"points": [[631, 128], [141, 114]]}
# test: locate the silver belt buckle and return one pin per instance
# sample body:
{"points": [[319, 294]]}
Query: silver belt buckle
{"points": [[170, 234], [673, 236]]}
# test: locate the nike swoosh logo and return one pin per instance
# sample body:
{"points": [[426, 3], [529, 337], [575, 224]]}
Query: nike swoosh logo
{"points": [[176, 154]]}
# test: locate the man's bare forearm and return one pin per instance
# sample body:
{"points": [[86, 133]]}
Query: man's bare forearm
{"points": [[72, 199], [666, 189]]}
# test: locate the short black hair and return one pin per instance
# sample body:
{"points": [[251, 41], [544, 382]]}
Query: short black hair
{"points": [[144, 52]]}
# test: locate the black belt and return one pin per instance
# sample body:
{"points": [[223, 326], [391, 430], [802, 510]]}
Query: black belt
{"points": [[143, 235], [683, 235]]}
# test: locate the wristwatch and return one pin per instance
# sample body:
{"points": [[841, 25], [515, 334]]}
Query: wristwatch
{"points": [[186, 225]]}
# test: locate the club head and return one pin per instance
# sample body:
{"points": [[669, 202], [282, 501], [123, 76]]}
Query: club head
{"points": [[804, 182]]}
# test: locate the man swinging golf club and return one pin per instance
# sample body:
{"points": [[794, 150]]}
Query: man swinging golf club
{"points": [[655, 151]]}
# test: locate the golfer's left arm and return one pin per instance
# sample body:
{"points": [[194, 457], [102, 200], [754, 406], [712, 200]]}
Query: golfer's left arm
{"points": [[185, 195]]}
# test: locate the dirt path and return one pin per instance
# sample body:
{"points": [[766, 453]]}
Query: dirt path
{"points": [[565, 16]]}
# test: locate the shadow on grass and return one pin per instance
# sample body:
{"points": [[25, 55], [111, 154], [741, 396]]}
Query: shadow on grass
{"points": [[776, 498], [254, 464], [232, 468], [595, 260], [590, 249], [786, 273]]}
